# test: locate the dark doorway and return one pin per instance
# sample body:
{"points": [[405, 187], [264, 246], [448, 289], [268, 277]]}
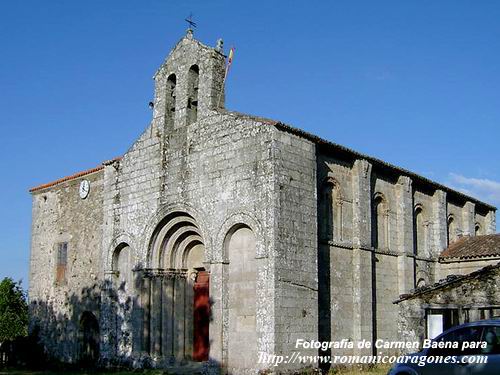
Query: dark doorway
{"points": [[89, 339], [201, 316]]}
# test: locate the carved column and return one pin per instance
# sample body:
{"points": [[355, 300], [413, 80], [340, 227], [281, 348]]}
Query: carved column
{"points": [[189, 315], [137, 315], [168, 315], [179, 315], [362, 256], [155, 315], [146, 311]]}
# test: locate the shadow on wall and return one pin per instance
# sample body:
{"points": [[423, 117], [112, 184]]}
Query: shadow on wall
{"points": [[105, 325], [70, 329]]}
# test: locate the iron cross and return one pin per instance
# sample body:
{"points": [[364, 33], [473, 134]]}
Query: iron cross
{"points": [[190, 21]]}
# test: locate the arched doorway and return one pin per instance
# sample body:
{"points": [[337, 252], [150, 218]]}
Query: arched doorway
{"points": [[89, 339], [176, 300]]}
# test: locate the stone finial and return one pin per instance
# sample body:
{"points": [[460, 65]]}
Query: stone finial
{"points": [[220, 45]]}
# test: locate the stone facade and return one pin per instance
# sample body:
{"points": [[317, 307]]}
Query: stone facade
{"points": [[300, 237]]}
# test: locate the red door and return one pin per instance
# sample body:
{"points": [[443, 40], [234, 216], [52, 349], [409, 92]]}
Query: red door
{"points": [[201, 316]]}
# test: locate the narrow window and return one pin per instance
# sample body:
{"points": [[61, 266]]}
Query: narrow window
{"points": [[379, 222], [451, 229], [170, 99], [326, 220], [192, 105], [477, 229], [62, 261], [331, 228], [419, 232]]}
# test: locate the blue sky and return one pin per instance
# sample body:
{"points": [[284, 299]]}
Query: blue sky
{"points": [[415, 83]]}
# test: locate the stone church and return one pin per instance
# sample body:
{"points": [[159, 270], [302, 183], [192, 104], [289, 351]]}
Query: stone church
{"points": [[219, 236]]}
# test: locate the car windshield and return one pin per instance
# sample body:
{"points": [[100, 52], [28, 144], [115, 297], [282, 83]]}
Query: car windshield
{"points": [[451, 343]]}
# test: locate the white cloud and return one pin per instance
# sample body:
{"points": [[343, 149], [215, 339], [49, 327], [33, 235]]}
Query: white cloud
{"points": [[481, 188]]}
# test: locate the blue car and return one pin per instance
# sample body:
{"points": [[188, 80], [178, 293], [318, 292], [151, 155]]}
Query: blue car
{"points": [[468, 349]]}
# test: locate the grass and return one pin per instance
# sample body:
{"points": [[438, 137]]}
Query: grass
{"points": [[80, 372], [376, 370], [373, 371]]}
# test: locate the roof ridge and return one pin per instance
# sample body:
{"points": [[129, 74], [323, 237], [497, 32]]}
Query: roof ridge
{"points": [[473, 247], [317, 139], [448, 280], [73, 176]]}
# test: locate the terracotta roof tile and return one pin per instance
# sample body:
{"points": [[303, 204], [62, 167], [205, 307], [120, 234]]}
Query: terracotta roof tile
{"points": [[450, 280], [73, 176], [473, 247]]}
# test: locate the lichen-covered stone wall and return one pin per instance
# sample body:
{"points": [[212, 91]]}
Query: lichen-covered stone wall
{"points": [[332, 235], [56, 306]]}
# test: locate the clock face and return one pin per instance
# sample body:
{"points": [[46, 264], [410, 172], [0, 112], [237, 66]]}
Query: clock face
{"points": [[84, 189]]}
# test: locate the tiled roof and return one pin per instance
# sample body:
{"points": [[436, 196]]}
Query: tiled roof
{"points": [[73, 176], [449, 281], [473, 247]]}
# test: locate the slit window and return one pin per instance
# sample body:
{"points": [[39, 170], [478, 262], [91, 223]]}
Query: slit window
{"points": [[62, 261], [331, 220], [192, 105], [171, 83], [419, 233], [451, 230], [380, 225]]}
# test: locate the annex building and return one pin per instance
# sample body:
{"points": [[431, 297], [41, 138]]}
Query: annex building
{"points": [[219, 236]]}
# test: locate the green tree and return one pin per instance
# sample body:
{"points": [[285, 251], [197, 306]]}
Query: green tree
{"points": [[13, 310]]}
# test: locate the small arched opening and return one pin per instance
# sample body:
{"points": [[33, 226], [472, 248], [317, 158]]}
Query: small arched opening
{"points": [[192, 104], [477, 229], [331, 213], [380, 227], [89, 339], [419, 244], [419, 232], [170, 96], [451, 229]]}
